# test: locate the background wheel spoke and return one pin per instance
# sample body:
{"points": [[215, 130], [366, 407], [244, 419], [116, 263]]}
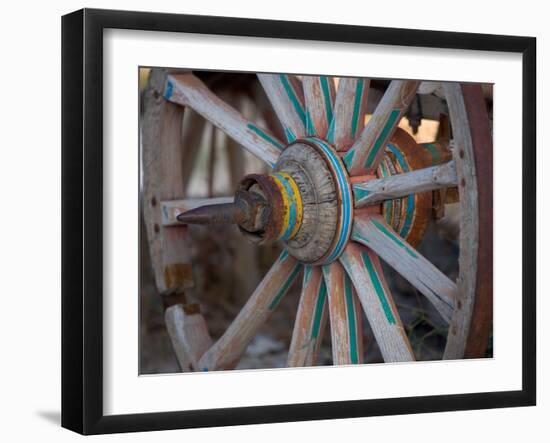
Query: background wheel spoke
{"points": [[226, 352], [402, 185], [349, 112], [345, 316], [366, 274], [319, 95], [367, 150], [374, 232], [188, 90], [287, 98], [310, 321]]}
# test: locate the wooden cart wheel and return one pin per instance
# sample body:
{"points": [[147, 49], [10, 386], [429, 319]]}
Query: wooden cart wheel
{"points": [[341, 195]]}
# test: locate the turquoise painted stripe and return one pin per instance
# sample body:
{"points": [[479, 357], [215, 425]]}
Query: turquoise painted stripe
{"points": [[290, 136], [348, 158], [347, 199], [393, 237], [352, 326], [325, 88], [409, 214], [357, 106], [284, 288], [283, 256], [360, 193], [307, 274], [310, 128], [378, 144], [358, 235], [292, 210], [432, 149], [331, 130], [319, 308], [293, 98], [265, 136], [378, 288]]}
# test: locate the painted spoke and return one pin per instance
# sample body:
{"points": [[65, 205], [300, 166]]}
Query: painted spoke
{"points": [[227, 351], [374, 232], [170, 209], [349, 112], [345, 316], [402, 185], [369, 147], [319, 95], [287, 97], [310, 321], [188, 90], [366, 274]]}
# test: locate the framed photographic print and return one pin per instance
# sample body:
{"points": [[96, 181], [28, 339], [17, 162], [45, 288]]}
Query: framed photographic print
{"points": [[271, 221]]}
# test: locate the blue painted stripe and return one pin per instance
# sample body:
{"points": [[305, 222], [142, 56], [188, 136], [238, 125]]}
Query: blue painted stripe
{"points": [[357, 107], [282, 291], [169, 90], [325, 88], [384, 134], [290, 136], [347, 199]]}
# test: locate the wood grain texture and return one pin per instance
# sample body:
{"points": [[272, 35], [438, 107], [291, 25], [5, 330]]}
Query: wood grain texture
{"points": [[368, 149], [345, 316], [364, 269], [402, 185], [189, 335], [319, 93], [311, 319], [349, 112], [373, 232], [469, 216], [227, 351], [191, 139], [188, 90], [287, 98], [162, 153], [172, 208]]}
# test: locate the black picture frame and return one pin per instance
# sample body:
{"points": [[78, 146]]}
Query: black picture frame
{"points": [[82, 220]]}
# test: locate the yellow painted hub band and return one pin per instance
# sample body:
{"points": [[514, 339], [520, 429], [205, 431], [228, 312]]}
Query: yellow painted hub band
{"points": [[292, 204]]}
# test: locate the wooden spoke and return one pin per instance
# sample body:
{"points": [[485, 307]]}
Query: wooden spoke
{"points": [[365, 271], [310, 321], [171, 208], [374, 232], [287, 97], [367, 150], [188, 90], [349, 112], [345, 316], [191, 139], [227, 351], [189, 334], [319, 95], [402, 185]]}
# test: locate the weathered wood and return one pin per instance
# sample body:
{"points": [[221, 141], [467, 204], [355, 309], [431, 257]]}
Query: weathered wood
{"points": [[311, 318], [287, 97], [364, 269], [463, 153], [189, 334], [368, 149], [188, 90], [402, 185], [345, 316], [319, 95], [227, 351], [375, 233], [349, 112], [162, 153], [171, 208]]}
